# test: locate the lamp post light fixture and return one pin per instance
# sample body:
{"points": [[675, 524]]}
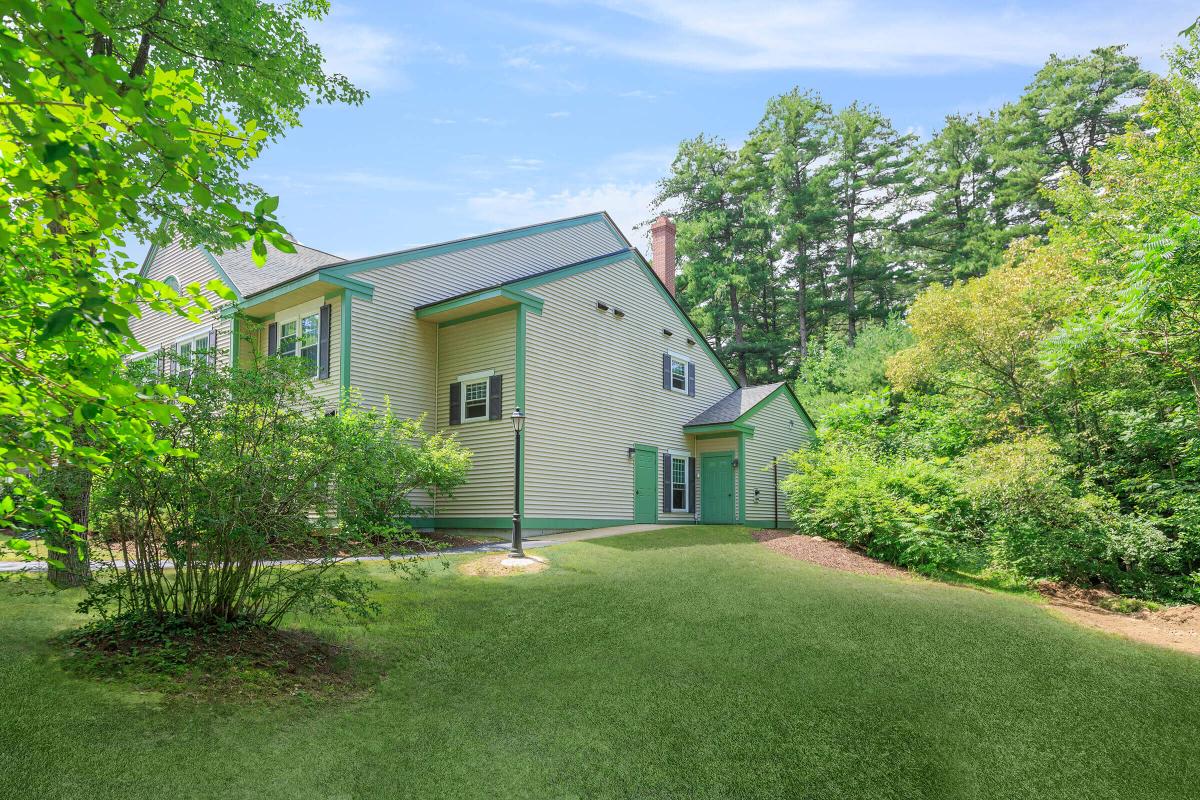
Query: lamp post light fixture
{"points": [[518, 422]]}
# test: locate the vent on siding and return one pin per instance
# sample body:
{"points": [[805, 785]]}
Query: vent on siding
{"points": [[618, 313], [667, 332], [691, 340], [601, 305]]}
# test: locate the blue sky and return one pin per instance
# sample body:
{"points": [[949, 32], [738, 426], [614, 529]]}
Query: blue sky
{"points": [[487, 115]]}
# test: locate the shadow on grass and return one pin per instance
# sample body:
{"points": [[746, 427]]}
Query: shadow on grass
{"points": [[673, 538]]}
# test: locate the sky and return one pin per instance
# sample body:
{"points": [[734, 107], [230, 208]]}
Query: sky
{"points": [[490, 115]]}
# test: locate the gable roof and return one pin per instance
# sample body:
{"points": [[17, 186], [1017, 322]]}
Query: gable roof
{"points": [[248, 278], [740, 404], [732, 406]]}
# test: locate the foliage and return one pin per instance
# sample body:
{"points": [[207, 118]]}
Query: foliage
{"points": [[836, 371], [250, 470], [104, 130], [903, 510]]}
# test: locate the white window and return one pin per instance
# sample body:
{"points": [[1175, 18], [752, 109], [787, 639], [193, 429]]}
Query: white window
{"points": [[187, 351], [475, 399], [173, 282], [301, 338], [680, 480], [679, 374]]}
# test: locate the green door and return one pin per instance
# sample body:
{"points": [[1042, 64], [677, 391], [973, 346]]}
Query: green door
{"points": [[716, 488], [645, 485]]}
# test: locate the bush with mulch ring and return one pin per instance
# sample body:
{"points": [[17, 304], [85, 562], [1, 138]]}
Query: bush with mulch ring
{"points": [[219, 660]]}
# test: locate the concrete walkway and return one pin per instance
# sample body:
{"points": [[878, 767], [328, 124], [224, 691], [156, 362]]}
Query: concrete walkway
{"points": [[531, 543]]}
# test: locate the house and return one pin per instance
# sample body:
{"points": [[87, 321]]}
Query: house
{"points": [[630, 415]]}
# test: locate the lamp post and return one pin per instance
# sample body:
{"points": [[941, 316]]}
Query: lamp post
{"points": [[518, 422]]}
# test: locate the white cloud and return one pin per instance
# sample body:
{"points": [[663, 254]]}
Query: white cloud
{"points": [[867, 35], [523, 163], [362, 179], [627, 204], [559, 114], [639, 94]]}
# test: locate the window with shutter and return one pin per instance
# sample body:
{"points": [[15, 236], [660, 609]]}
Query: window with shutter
{"points": [[679, 374], [301, 338]]}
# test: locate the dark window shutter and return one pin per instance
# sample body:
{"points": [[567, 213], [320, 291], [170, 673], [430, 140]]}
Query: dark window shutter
{"points": [[162, 362], [455, 403], [212, 347], [666, 482], [666, 370], [496, 397], [323, 342], [691, 467], [272, 338], [692, 379]]}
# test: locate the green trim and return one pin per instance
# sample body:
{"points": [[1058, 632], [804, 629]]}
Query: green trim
{"points": [[221, 271], [791, 395], [364, 290], [723, 428], [535, 523], [741, 479], [502, 292], [491, 312], [150, 254], [650, 448], [702, 436], [784, 524], [347, 328], [428, 251], [636, 257], [519, 394]]}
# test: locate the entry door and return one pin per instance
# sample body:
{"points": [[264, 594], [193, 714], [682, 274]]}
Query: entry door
{"points": [[716, 488], [645, 486]]}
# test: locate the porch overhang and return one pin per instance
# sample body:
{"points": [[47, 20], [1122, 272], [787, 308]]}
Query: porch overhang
{"points": [[485, 301], [716, 429], [321, 283]]}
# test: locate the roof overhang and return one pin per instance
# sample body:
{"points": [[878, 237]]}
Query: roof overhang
{"points": [[481, 302], [307, 287], [719, 429]]}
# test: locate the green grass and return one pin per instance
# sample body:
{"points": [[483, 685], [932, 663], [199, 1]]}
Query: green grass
{"points": [[689, 663]]}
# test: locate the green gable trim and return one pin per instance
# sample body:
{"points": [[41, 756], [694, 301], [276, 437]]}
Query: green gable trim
{"points": [[220, 271], [491, 312], [364, 290], [787, 390], [150, 254], [428, 251], [633, 255], [719, 428], [502, 292], [347, 329], [645, 447]]}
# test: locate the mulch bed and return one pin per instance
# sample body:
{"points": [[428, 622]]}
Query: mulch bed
{"points": [[217, 661], [826, 553]]}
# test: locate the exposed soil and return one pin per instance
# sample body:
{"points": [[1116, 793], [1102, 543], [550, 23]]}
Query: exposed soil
{"points": [[1176, 627], [826, 553], [493, 567], [216, 662]]}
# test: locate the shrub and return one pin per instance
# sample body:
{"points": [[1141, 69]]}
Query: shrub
{"points": [[903, 510], [248, 472]]}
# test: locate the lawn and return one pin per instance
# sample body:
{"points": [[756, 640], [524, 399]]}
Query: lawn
{"points": [[688, 663]]}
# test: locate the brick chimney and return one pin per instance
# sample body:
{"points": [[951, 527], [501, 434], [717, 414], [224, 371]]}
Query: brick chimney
{"points": [[662, 250]]}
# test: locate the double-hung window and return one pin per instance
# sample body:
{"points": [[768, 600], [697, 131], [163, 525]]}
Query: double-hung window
{"points": [[679, 483], [475, 399], [679, 374], [301, 338], [187, 351]]}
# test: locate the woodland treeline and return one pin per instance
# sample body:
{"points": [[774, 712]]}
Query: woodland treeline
{"points": [[998, 329], [827, 219]]}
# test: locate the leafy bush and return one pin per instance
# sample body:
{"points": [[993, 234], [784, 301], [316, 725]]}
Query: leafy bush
{"points": [[249, 471], [836, 372], [1042, 521], [903, 510]]}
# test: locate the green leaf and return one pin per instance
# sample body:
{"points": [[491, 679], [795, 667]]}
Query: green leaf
{"points": [[58, 322]]}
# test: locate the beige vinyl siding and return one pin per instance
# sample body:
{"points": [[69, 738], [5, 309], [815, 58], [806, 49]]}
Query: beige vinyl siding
{"points": [[725, 444], [470, 347], [594, 388], [327, 390], [778, 430], [394, 353], [156, 329]]}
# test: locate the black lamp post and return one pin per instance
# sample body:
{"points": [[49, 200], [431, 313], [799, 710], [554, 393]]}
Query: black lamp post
{"points": [[518, 421]]}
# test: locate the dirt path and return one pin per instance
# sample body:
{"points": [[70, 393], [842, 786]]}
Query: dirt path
{"points": [[1176, 627]]}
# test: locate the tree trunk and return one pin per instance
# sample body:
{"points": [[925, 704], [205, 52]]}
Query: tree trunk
{"points": [[72, 486], [802, 309], [849, 244], [739, 338]]}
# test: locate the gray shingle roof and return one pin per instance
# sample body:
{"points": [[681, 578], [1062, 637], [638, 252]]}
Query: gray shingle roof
{"points": [[280, 267], [731, 407]]}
